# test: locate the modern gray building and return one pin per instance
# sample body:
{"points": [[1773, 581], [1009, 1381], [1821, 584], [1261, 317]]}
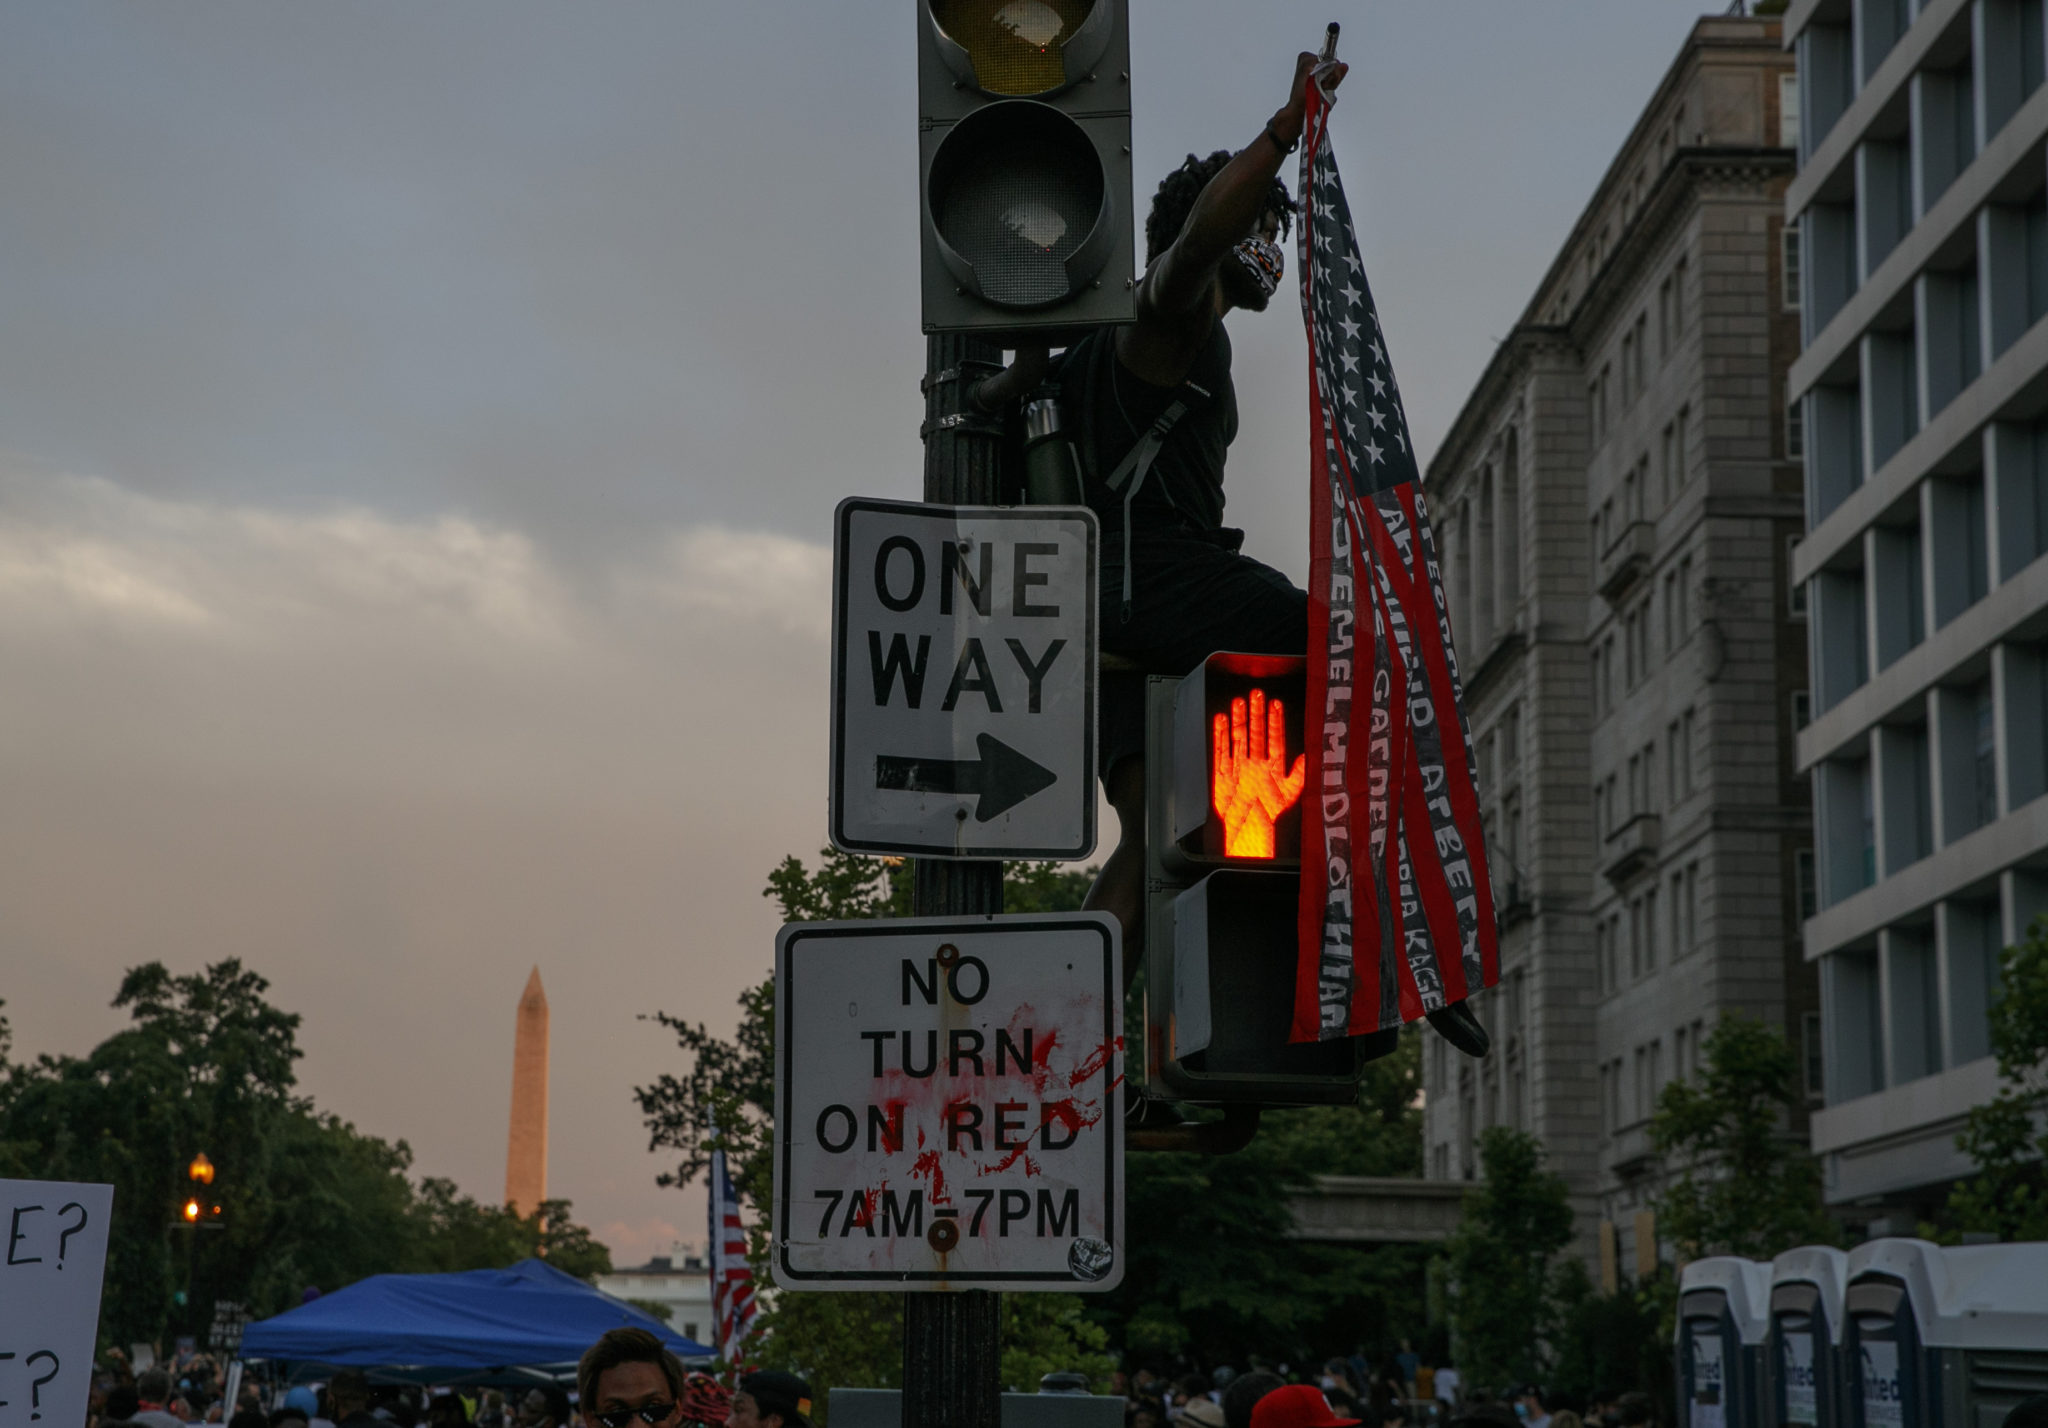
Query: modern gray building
{"points": [[1923, 226], [1618, 501]]}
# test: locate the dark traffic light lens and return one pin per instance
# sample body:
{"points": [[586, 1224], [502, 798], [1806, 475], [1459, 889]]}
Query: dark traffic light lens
{"points": [[1017, 47], [1016, 191]]}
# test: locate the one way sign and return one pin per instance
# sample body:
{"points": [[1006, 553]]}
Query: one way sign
{"points": [[963, 680]]}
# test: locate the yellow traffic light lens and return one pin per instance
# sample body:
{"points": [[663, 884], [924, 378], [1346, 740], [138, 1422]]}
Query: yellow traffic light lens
{"points": [[1016, 46]]}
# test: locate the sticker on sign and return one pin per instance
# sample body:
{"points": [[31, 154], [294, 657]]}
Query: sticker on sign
{"points": [[963, 680], [948, 1104]]}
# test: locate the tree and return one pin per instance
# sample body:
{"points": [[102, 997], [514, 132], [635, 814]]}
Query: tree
{"points": [[1506, 1283], [1736, 1181], [725, 1099], [207, 1065], [2008, 1196]]}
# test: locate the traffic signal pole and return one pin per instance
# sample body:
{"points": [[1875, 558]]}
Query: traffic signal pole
{"points": [[952, 1343]]}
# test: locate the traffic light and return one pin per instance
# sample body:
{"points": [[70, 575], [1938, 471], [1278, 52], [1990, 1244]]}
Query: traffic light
{"points": [[1024, 166], [1225, 771]]}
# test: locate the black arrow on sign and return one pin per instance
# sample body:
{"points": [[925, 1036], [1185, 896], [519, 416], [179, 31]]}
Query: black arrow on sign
{"points": [[1002, 777]]}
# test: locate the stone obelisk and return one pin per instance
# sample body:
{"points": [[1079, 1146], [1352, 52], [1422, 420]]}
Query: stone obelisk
{"points": [[526, 1148]]}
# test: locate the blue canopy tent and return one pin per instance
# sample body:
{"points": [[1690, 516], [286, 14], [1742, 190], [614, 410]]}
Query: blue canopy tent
{"points": [[480, 1325]]}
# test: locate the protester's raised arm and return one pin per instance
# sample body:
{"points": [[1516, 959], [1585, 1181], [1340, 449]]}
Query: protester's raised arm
{"points": [[1230, 205]]}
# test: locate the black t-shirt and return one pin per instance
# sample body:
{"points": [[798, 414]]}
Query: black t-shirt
{"points": [[1114, 406]]}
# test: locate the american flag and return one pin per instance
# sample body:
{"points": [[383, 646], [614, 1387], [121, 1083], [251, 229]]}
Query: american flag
{"points": [[1396, 907], [732, 1283]]}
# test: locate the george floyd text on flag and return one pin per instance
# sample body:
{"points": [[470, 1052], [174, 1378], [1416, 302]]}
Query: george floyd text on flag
{"points": [[1396, 913]]}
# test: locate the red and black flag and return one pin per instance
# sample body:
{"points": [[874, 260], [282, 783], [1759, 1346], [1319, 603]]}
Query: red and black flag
{"points": [[1396, 907]]}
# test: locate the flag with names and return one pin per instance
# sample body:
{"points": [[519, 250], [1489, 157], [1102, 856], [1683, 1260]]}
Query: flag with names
{"points": [[1396, 912]]}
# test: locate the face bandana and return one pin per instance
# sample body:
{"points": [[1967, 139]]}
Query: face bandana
{"points": [[1264, 260]]}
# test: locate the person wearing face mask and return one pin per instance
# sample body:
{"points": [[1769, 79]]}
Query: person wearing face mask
{"points": [[1152, 410]]}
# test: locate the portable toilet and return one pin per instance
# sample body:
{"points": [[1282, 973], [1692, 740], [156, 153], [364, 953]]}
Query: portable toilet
{"points": [[1806, 1338], [1987, 1340], [1723, 1326], [1890, 1290]]}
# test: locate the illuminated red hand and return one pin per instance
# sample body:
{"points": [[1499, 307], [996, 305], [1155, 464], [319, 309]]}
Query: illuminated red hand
{"points": [[1250, 782]]}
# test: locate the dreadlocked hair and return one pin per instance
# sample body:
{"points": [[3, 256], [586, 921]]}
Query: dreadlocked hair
{"points": [[1178, 191]]}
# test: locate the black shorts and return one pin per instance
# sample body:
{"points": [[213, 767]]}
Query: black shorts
{"points": [[1192, 594]]}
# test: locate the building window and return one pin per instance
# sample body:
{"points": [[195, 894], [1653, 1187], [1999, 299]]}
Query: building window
{"points": [[1664, 318], [1598, 711], [1678, 275], [1795, 590], [1683, 753], [1788, 248], [1802, 709], [1642, 350], [1678, 447], [1795, 429], [1788, 110], [1650, 928], [1986, 757], [1684, 593], [1803, 884]]}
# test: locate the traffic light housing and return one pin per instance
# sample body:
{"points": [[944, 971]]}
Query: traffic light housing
{"points": [[1224, 892], [1024, 167]]}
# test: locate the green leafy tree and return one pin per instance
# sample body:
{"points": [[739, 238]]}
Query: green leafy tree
{"points": [[1507, 1282], [725, 1099], [207, 1065], [1737, 1181], [2008, 1196], [1613, 1341]]}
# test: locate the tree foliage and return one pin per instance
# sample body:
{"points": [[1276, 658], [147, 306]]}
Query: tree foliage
{"points": [[1508, 1286], [207, 1064], [1737, 1181], [2008, 1196]]}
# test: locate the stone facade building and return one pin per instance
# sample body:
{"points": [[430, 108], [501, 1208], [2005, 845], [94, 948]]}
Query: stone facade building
{"points": [[1922, 204], [1618, 501]]}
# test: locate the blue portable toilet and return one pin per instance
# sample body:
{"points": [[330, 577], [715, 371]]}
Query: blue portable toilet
{"points": [[1723, 1329], [1939, 1337], [1805, 1385]]}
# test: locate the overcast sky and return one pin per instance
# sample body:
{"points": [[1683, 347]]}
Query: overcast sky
{"points": [[419, 432]]}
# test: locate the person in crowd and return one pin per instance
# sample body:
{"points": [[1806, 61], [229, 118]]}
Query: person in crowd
{"points": [[1446, 1385], [289, 1416], [249, 1418], [1633, 1410], [490, 1411], [1407, 1362], [447, 1410], [122, 1403], [1566, 1418], [544, 1406], [153, 1395], [771, 1399], [2029, 1413], [1297, 1405], [349, 1392], [627, 1379], [1529, 1406], [1151, 1413], [1244, 1394], [1484, 1413], [1203, 1412]]}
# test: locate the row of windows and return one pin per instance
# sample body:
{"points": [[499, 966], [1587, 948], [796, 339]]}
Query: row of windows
{"points": [[1611, 812], [1623, 659], [1661, 922], [1604, 399], [1637, 493], [1629, 1087]]}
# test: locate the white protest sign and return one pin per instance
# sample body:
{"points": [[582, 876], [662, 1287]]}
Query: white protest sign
{"points": [[55, 1238], [948, 1104], [963, 680]]}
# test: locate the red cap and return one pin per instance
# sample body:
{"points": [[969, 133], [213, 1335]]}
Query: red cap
{"points": [[1299, 1405]]}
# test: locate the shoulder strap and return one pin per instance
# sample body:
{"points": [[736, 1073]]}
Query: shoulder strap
{"points": [[1130, 473]]}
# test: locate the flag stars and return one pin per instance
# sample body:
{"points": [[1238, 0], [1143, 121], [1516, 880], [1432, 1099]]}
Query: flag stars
{"points": [[1379, 388]]}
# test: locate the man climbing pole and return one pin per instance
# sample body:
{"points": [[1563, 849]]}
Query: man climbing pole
{"points": [[1154, 412]]}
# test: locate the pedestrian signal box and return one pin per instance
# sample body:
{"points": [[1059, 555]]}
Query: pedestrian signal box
{"points": [[1238, 761], [1025, 166], [1226, 778]]}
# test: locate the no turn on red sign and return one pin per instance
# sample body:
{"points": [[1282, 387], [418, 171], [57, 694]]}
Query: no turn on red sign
{"points": [[948, 1104]]}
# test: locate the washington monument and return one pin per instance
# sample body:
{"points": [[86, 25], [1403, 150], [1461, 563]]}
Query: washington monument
{"points": [[526, 1148]]}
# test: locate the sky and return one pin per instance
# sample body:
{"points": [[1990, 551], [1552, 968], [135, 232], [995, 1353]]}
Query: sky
{"points": [[420, 427]]}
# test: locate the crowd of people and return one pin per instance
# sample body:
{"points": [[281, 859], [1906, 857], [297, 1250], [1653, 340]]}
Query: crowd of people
{"points": [[1400, 1391], [628, 1379]]}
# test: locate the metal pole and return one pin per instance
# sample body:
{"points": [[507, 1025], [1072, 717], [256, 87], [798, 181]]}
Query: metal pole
{"points": [[952, 1343]]}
